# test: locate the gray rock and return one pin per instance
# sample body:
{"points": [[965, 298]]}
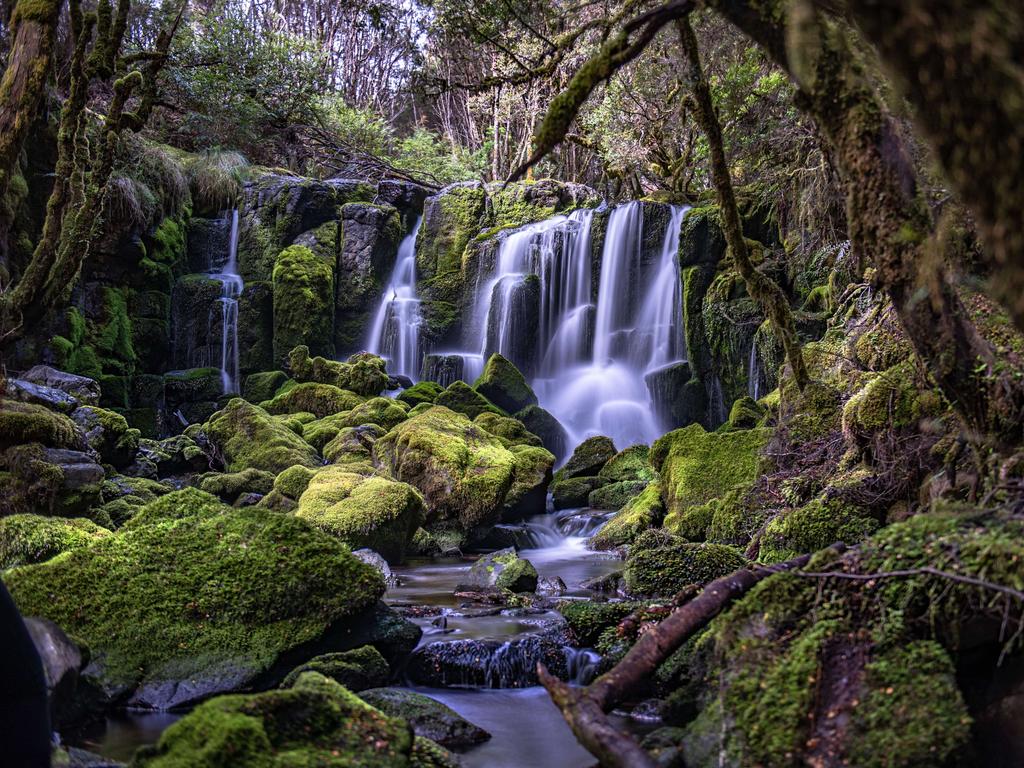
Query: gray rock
{"points": [[370, 557], [62, 661], [428, 717], [82, 388], [40, 394], [551, 587], [80, 470], [504, 569]]}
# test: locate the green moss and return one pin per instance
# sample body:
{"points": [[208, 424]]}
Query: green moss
{"points": [[310, 397], [113, 335], [463, 472], [573, 492], [913, 713], [73, 353], [369, 512], [452, 219], [889, 401], [194, 588], [247, 436], [233, 484], [669, 566], [362, 373], [510, 431], [588, 620], [631, 464], [263, 386], [357, 670], [30, 423], [502, 384], [430, 754], [108, 434], [517, 576], [745, 414], [27, 539], [462, 398], [421, 392], [531, 475], [303, 302], [353, 448], [615, 496], [642, 512], [293, 481], [588, 458], [316, 722], [813, 526], [697, 466]]}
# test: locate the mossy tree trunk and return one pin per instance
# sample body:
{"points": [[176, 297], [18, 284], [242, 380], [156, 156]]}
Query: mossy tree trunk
{"points": [[85, 158], [959, 63], [890, 223], [765, 291]]}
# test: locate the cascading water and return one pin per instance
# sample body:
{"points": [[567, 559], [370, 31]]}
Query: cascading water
{"points": [[231, 289], [754, 373], [395, 333]]}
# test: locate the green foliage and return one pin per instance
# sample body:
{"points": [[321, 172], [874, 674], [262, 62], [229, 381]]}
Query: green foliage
{"points": [[215, 179]]}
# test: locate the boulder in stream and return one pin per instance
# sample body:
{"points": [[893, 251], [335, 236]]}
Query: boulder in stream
{"points": [[428, 717], [487, 663], [503, 569]]}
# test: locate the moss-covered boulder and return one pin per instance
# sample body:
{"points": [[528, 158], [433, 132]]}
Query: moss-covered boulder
{"points": [[247, 437], [371, 512], [530, 480], [463, 472], [353, 448], [503, 384], [660, 566], [745, 413], [288, 487], [631, 464], [27, 539], [503, 569], [231, 485], [312, 397], [573, 492], [108, 434], [462, 398], [357, 670], [588, 620], [303, 302], [510, 431], [545, 426], [192, 598], [428, 717], [421, 392], [22, 423], [615, 496], [697, 466], [263, 386], [316, 722], [362, 373], [589, 458], [816, 525], [641, 513]]}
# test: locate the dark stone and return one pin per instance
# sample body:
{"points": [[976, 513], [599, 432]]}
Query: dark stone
{"points": [[62, 661], [545, 426], [428, 717], [487, 663], [443, 369], [588, 458], [79, 468], [82, 388], [675, 404], [27, 392], [255, 328]]}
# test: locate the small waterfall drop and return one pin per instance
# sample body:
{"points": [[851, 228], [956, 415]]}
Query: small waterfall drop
{"points": [[231, 289], [754, 373], [395, 333]]}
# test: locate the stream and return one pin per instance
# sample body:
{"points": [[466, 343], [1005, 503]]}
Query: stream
{"points": [[526, 729]]}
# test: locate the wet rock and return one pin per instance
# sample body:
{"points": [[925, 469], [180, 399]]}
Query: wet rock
{"points": [[503, 569], [78, 467], [428, 717], [62, 661], [27, 392], [573, 492], [589, 458], [487, 663], [370, 557], [108, 434], [82, 388], [551, 587], [503, 384], [545, 426], [357, 670]]}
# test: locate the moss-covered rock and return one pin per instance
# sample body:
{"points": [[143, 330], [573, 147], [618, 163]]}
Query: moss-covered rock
{"points": [[671, 564], [503, 384], [357, 670], [745, 413], [428, 717], [510, 431], [353, 448], [312, 397], [697, 466], [303, 302], [450, 220], [462, 398], [531, 477], [631, 464], [814, 526], [372, 512], [246, 436], [588, 620], [615, 496], [642, 512], [463, 472], [421, 392], [503, 569], [589, 458], [146, 601], [27, 539], [316, 722], [545, 426], [229, 486], [22, 423], [362, 373], [573, 492], [108, 434], [263, 386]]}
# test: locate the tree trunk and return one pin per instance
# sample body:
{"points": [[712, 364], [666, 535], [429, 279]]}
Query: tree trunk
{"points": [[765, 291]]}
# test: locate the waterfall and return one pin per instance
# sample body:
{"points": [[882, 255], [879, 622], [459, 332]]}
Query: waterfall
{"points": [[395, 333], [754, 373], [231, 290], [585, 361]]}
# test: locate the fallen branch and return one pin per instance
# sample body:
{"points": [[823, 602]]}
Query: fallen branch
{"points": [[584, 709]]}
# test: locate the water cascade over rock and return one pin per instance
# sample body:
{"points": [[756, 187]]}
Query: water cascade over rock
{"points": [[231, 290], [395, 333]]}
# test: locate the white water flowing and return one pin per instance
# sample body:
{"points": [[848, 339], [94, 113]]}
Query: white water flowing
{"points": [[231, 289], [395, 333], [754, 373]]}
